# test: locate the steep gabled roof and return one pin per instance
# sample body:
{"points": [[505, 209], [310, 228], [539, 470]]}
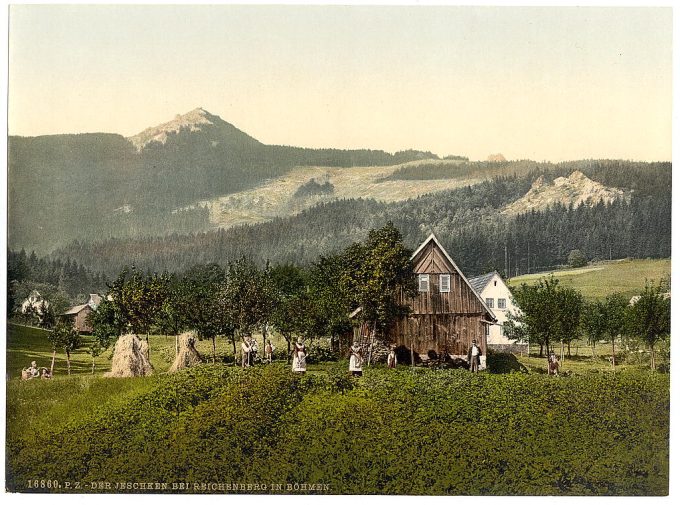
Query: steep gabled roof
{"points": [[432, 238], [479, 283]]}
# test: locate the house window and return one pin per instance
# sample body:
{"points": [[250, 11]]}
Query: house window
{"points": [[423, 282], [486, 330], [445, 283], [489, 303], [501, 303]]}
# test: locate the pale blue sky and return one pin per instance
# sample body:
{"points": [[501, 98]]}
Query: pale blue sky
{"points": [[542, 83]]}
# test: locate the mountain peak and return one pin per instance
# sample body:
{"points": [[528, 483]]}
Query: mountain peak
{"points": [[192, 121]]}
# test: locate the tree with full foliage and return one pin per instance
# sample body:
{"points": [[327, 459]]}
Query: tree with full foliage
{"points": [[539, 311], [373, 274], [47, 317], [594, 322], [649, 318], [64, 336], [246, 298], [576, 259], [138, 299], [548, 312], [329, 304], [292, 307], [570, 304], [615, 311], [201, 301]]}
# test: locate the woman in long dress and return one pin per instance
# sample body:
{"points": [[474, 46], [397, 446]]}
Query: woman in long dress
{"points": [[392, 358], [356, 360], [299, 357]]}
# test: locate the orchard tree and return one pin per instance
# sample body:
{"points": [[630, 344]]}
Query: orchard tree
{"points": [[594, 322], [329, 305], [292, 304], [202, 303], [64, 336], [539, 311], [649, 318], [246, 298], [570, 303], [374, 273], [615, 311]]}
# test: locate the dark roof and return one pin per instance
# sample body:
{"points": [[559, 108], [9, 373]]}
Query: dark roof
{"points": [[479, 283]]}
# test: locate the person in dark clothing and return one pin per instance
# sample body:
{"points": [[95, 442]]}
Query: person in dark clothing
{"points": [[474, 356]]}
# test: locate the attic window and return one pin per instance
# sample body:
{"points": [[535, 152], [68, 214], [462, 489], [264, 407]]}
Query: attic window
{"points": [[489, 303], [423, 282], [445, 283], [494, 282]]}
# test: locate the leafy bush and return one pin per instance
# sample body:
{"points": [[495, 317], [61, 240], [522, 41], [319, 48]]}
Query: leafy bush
{"points": [[404, 431], [503, 362]]}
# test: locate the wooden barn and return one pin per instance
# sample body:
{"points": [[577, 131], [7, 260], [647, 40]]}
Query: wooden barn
{"points": [[447, 314], [78, 315]]}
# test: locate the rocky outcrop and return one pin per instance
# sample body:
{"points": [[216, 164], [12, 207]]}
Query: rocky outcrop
{"points": [[575, 190]]}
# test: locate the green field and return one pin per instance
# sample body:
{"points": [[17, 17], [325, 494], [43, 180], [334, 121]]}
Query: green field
{"points": [[404, 431], [509, 430], [598, 280], [25, 344]]}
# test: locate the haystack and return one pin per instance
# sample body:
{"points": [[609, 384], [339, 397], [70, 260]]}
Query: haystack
{"points": [[187, 355], [130, 358]]}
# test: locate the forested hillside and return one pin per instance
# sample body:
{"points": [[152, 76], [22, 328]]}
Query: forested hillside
{"points": [[92, 186], [467, 222]]}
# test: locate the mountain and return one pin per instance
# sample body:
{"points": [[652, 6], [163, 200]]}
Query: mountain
{"points": [[575, 190], [213, 128], [93, 186]]}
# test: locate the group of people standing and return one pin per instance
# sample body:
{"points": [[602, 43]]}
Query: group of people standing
{"points": [[249, 350]]}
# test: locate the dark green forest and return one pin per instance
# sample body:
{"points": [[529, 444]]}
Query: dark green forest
{"points": [[65, 187], [466, 220]]}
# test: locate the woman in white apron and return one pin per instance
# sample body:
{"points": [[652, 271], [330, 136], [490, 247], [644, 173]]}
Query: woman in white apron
{"points": [[356, 360], [299, 357]]}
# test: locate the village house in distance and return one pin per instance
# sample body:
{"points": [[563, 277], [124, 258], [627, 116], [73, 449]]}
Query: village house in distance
{"points": [[497, 296], [447, 313], [78, 314]]}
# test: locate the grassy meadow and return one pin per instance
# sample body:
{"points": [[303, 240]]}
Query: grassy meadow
{"points": [[598, 280], [403, 431]]}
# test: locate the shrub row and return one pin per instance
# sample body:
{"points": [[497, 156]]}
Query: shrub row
{"points": [[397, 432]]}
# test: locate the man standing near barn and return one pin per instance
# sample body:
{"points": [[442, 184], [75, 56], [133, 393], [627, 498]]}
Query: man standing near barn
{"points": [[474, 356]]}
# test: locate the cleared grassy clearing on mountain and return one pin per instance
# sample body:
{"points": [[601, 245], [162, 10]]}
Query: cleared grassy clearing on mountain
{"points": [[600, 279], [276, 197]]}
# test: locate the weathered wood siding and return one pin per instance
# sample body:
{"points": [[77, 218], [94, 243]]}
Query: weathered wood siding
{"points": [[80, 322], [442, 322]]}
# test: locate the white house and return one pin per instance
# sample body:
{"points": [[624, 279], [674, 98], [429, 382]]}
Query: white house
{"points": [[34, 301], [498, 298]]}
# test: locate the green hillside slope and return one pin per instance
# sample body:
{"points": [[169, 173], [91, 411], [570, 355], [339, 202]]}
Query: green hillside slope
{"points": [[600, 279]]}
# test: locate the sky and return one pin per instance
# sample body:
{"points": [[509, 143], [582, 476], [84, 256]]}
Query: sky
{"points": [[542, 83]]}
